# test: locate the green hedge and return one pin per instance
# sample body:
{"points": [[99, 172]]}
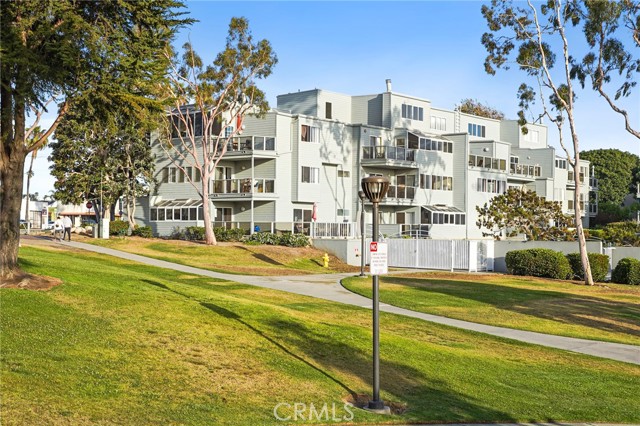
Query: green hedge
{"points": [[599, 265], [142, 231], [287, 239], [627, 271], [118, 228], [233, 234], [538, 262]]}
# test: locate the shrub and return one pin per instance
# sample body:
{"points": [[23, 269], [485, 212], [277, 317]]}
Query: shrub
{"points": [[599, 265], [118, 228], [627, 271], [538, 262], [264, 238], [294, 240], [143, 231], [194, 233], [233, 234]]}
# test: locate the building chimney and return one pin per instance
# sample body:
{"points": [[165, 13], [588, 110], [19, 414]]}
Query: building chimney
{"points": [[388, 85]]}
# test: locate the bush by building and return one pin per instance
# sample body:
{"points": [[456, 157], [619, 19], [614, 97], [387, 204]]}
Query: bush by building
{"points": [[627, 271], [142, 231], [286, 239], [538, 262], [599, 266], [118, 228]]}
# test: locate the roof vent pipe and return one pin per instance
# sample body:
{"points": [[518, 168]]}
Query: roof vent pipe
{"points": [[388, 81]]}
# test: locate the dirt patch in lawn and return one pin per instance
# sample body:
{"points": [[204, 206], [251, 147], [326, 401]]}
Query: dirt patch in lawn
{"points": [[30, 282]]}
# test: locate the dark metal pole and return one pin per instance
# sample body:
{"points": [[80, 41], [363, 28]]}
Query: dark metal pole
{"points": [[362, 232], [376, 403]]}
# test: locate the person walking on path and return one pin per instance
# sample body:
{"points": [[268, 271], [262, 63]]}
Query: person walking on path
{"points": [[67, 227], [58, 228]]}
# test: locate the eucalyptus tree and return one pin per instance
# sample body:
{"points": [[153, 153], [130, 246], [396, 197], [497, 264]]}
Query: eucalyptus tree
{"points": [[208, 100], [55, 53]]}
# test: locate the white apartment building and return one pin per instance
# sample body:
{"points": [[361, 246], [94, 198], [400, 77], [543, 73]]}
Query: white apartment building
{"points": [[309, 154]]}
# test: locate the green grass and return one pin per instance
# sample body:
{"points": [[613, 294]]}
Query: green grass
{"points": [[233, 258], [123, 343], [608, 313]]}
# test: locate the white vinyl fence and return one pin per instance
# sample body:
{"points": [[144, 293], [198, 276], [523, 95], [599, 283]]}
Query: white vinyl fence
{"points": [[450, 255]]}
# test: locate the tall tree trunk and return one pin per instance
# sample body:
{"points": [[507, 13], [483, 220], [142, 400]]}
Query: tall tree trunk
{"points": [[131, 213], [209, 236], [11, 180]]}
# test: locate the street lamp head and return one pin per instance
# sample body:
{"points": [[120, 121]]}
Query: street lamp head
{"points": [[362, 195], [375, 188]]}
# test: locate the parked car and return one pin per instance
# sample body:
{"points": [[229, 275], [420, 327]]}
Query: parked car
{"points": [[48, 225]]}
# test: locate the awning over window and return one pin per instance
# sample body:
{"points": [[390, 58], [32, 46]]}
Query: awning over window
{"points": [[441, 208], [179, 203]]}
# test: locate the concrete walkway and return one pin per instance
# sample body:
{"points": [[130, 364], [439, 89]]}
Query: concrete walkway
{"points": [[328, 287]]}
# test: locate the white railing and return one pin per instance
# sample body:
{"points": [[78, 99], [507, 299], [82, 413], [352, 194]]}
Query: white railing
{"points": [[333, 230]]}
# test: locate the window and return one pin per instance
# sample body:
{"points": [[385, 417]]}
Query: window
{"points": [[308, 133], [561, 164], [440, 183], [310, 174], [343, 212], [532, 136], [344, 173], [327, 109], [438, 123], [375, 140], [302, 215], [412, 112], [228, 131], [223, 214], [477, 130], [436, 145], [493, 186]]}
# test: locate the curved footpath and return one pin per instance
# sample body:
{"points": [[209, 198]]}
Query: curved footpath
{"points": [[328, 287]]}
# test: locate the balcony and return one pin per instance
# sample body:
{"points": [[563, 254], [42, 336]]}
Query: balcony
{"points": [[242, 188], [524, 170], [250, 146], [390, 157]]}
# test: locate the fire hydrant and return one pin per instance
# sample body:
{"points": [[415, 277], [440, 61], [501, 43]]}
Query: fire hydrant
{"points": [[325, 259]]}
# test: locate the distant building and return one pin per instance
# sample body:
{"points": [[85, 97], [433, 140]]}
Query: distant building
{"points": [[314, 148]]}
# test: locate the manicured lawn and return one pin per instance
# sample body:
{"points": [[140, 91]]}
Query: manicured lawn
{"points": [[234, 258], [123, 343], [609, 313]]}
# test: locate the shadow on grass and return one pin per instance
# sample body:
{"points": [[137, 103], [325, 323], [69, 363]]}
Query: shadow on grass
{"points": [[263, 257], [326, 354], [551, 305]]}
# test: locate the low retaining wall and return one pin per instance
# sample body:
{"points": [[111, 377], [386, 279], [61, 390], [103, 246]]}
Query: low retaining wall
{"points": [[348, 250]]}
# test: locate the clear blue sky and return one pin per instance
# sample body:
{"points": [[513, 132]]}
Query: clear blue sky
{"points": [[428, 49]]}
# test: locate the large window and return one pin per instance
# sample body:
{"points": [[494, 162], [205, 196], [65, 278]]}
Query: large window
{"points": [[561, 163], [309, 133], [177, 210], [477, 130], [438, 123], [412, 112], [310, 174], [223, 214], [436, 182], [174, 174], [430, 144], [327, 109], [493, 186], [488, 162]]}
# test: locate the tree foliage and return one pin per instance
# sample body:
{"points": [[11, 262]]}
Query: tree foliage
{"points": [[520, 211], [102, 159], [59, 53], [475, 107], [207, 100], [615, 171]]}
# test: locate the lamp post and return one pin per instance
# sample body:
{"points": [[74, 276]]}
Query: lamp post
{"points": [[362, 197], [375, 189]]}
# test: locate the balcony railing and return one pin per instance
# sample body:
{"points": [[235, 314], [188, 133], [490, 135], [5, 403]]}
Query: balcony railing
{"points": [[524, 170], [388, 153], [243, 186], [251, 143], [401, 191]]}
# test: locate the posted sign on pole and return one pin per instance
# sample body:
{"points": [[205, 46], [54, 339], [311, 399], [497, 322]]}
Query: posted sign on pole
{"points": [[378, 252]]}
